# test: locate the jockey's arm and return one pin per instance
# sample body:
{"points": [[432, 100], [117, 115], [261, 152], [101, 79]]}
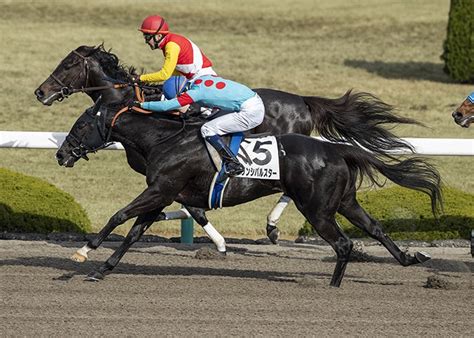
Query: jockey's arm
{"points": [[169, 66], [175, 104]]}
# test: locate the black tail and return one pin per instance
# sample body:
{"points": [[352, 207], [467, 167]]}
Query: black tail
{"points": [[413, 173], [358, 118]]}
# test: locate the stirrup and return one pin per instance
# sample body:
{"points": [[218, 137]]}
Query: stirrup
{"points": [[233, 169]]}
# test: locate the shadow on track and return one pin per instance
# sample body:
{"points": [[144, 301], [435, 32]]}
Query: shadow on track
{"points": [[146, 270], [411, 70]]}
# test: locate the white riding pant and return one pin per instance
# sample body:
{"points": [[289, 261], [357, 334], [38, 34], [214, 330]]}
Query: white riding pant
{"points": [[250, 116]]}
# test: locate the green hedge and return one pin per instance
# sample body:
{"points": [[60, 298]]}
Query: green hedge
{"points": [[458, 52], [406, 214], [28, 204]]}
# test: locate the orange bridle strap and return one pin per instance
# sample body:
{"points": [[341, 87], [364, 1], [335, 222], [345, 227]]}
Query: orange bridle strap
{"points": [[125, 109], [117, 114], [139, 93]]}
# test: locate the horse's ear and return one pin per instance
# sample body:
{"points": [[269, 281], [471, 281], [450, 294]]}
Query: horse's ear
{"points": [[97, 105]]}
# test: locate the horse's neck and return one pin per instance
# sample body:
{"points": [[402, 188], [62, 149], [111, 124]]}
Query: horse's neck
{"points": [[145, 133], [109, 95]]}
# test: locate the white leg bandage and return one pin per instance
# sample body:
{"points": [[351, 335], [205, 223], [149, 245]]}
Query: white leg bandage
{"points": [[215, 237], [274, 215]]}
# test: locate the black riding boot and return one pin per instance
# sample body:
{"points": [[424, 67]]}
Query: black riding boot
{"points": [[232, 166]]}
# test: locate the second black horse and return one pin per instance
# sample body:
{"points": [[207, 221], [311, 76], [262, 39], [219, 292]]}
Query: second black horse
{"points": [[320, 177]]}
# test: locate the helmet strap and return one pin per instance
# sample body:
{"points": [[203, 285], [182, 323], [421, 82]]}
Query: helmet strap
{"points": [[156, 41]]}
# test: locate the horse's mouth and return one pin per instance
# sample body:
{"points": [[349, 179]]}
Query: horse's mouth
{"points": [[69, 163], [48, 101], [465, 122]]}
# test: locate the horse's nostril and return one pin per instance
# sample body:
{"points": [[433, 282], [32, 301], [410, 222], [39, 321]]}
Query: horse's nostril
{"points": [[457, 115], [59, 156], [39, 93]]}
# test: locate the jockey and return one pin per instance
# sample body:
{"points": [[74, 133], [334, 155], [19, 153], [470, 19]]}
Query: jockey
{"points": [[246, 107], [182, 56]]}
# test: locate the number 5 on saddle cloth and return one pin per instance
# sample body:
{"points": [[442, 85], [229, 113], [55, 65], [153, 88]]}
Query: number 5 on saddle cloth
{"points": [[258, 155]]}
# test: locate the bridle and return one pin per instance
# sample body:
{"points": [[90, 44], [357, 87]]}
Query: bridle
{"points": [[81, 149], [67, 90]]}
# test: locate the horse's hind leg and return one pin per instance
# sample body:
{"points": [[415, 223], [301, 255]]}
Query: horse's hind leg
{"points": [[318, 198], [330, 231], [351, 209], [199, 216], [274, 216]]}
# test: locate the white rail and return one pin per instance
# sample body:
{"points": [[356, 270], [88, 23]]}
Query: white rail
{"points": [[52, 140]]}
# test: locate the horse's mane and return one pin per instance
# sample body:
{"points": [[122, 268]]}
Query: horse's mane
{"points": [[110, 62]]}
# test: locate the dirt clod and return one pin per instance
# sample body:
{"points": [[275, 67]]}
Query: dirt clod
{"points": [[208, 253], [439, 282]]}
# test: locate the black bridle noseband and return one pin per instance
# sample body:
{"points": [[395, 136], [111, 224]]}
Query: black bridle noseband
{"points": [[67, 90], [97, 139]]}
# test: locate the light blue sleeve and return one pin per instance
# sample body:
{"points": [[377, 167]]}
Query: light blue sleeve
{"points": [[160, 106]]}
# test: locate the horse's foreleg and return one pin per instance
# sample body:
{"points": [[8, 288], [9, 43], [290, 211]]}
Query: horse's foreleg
{"points": [[360, 218], [81, 255], [199, 216], [147, 201], [274, 216], [142, 223]]}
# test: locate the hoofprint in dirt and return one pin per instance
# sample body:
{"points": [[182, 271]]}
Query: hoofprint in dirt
{"points": [[168, 289]]}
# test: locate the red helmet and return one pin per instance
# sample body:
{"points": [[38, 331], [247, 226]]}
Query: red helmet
{"points": [[154, 24]]}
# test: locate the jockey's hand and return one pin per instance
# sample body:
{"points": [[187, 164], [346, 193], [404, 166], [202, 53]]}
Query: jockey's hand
{"points": [[135, 104], [184, 108], [135, 79]]}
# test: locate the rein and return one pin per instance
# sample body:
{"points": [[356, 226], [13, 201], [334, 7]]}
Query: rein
{"points": [[144, 111], [67, 90]]}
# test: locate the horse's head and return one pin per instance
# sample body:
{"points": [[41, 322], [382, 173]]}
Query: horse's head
{"points": [[71, 74], [464, 114], [88, 134]]}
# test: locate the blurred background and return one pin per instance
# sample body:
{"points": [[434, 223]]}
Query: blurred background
{"points": [[388, 48]]}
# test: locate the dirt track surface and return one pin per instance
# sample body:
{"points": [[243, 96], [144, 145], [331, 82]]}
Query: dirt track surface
{"points": [[163, 290]]}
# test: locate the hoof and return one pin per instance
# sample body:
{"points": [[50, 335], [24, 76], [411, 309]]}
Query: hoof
{"points": [[273, 234], [94, 276], [77, 257], [422, 257], [222, 253]]}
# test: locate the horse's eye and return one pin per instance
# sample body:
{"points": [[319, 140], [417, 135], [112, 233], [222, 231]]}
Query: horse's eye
{"points": [[81, 125]]}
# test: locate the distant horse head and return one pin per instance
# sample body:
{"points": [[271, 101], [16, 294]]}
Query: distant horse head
{"points": [[464, 114], [83, 68]]}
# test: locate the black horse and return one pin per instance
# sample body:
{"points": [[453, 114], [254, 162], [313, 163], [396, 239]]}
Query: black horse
{"points": [[320, 177], [357, 118]]}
